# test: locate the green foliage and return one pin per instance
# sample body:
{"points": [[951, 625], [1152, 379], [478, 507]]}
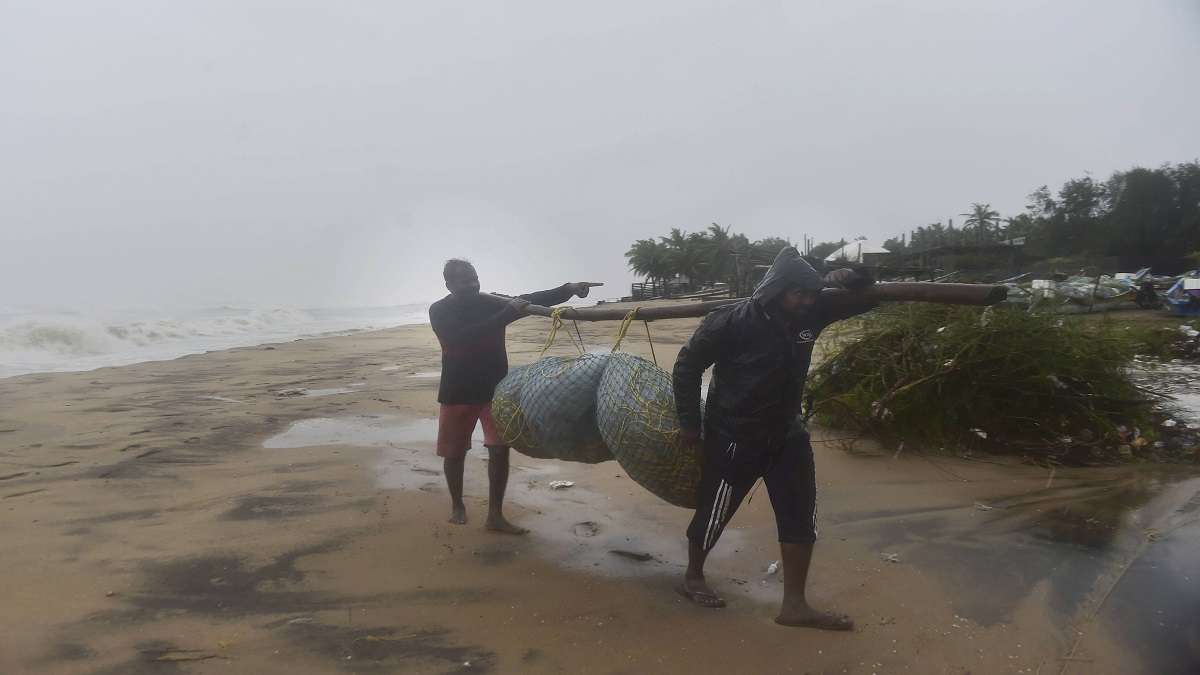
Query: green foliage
{"points": [[1142, 214], [999, 379], [715, 255]]}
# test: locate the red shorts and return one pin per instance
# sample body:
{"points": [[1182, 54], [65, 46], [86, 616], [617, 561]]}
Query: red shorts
{"points": [[456, 423]]}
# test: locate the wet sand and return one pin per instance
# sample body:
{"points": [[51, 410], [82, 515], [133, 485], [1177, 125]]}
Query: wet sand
{"points": [[280, 509]]}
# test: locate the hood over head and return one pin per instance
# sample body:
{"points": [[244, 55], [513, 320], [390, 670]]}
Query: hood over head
{"points": [[788, 271]]}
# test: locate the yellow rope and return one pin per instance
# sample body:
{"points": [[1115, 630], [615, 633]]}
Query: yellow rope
{"points": [[625, 324], [651, 341], [556, 322]]}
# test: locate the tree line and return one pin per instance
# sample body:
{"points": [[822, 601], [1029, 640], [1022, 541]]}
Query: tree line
{"points": [[1139, 214]]}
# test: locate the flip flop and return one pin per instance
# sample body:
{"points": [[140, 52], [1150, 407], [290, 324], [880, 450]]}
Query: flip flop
{"points": [[825, 621], [707, 600]]}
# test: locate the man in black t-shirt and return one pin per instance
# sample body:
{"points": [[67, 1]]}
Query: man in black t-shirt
{"points": [[470, 327], [752, 427]]}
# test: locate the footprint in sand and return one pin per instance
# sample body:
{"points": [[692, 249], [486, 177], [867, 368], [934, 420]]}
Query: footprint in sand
{"points": [[586, 529]]}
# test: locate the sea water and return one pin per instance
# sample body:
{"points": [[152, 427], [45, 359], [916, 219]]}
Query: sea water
{"points": [[48, 340]]}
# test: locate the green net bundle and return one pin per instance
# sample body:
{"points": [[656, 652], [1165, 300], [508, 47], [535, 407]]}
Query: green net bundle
{"points": [[598, 407]]}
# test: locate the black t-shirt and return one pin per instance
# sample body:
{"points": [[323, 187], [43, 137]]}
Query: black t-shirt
{"points": [[471, 332]]}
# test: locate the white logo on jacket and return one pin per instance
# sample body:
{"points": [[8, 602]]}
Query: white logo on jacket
{"points": [[806, 336]]}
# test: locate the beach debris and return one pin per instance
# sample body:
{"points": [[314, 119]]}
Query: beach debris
{"points": [[301, 619], [170, 655], [980, 506], [287, 393], [1169, 423], [890, 378], [561, 484], [586, 529], [890, 557], [632, 555], [773, 567]]}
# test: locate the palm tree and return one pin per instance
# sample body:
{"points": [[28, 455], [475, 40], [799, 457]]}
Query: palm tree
{"points": [[720, 247], [686, 254], [983, 219], [651, 259]]}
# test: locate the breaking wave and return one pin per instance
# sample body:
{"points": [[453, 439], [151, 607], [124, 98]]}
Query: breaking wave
{"points": [[55, 341]]}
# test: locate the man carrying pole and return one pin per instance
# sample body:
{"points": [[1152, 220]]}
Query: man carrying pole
{"points": [[470, 327], [752, 427]]}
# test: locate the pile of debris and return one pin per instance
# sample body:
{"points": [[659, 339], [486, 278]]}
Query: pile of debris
{"points": [[998, 380]]}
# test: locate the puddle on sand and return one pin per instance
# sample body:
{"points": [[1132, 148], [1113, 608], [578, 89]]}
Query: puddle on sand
{"points": [[576, 527], [1077, 538], [364, 431], [1177, 379], [330, 391]]}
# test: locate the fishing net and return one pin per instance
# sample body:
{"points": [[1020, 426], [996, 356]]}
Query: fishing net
{"points": [[547, 409], [635, 411], [596, 407], [509, 418]]}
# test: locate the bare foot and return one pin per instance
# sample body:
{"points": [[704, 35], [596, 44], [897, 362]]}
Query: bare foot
{"points": [[458, 514], [499, 524], [697, 590], [802, 616]]}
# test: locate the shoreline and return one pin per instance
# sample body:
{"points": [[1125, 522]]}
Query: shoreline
{"points": [[147, 524]]}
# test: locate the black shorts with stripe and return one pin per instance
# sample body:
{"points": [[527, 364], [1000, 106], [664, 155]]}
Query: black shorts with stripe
{"points": [[731, 468]]}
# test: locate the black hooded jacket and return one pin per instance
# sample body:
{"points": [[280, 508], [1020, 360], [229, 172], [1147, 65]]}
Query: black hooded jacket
{"points": [[761, 358]]}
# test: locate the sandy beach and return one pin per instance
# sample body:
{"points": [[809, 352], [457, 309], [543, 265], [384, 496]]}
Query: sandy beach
{"points": [[279, 509]]}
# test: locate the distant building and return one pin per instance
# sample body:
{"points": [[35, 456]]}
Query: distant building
{"points": [[863, 252]]}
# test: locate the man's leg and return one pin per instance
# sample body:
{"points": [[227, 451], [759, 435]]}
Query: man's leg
{"points": [[497, 482], [452, 445], [497, 475], [453, 468], [792, 485], [717, 501]]}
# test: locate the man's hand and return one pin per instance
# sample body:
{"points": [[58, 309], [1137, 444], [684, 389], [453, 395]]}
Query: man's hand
{"points": [[582, 288], [849, 279]]}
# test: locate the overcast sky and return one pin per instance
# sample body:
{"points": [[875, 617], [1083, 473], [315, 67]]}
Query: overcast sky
{"points": [[335, 153]]}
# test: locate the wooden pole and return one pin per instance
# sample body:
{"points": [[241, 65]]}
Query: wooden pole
{"points": [[948, 294]]}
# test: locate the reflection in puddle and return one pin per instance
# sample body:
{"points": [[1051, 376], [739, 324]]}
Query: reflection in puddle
{"points": [[301, 391], [369, 432], [1178, 379]]}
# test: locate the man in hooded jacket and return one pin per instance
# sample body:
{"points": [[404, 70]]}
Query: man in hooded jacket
{"points": [[752, 427]]}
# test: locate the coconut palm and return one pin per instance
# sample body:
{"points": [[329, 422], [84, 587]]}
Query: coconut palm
{"points": [[651, 259], [686, 253], [983, 219]]}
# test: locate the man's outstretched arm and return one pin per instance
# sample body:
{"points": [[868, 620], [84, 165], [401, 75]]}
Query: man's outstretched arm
{"points": [[557, 296]]}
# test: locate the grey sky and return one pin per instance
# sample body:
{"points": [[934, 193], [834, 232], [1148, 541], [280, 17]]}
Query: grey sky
{"points": [[329, 153]]}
